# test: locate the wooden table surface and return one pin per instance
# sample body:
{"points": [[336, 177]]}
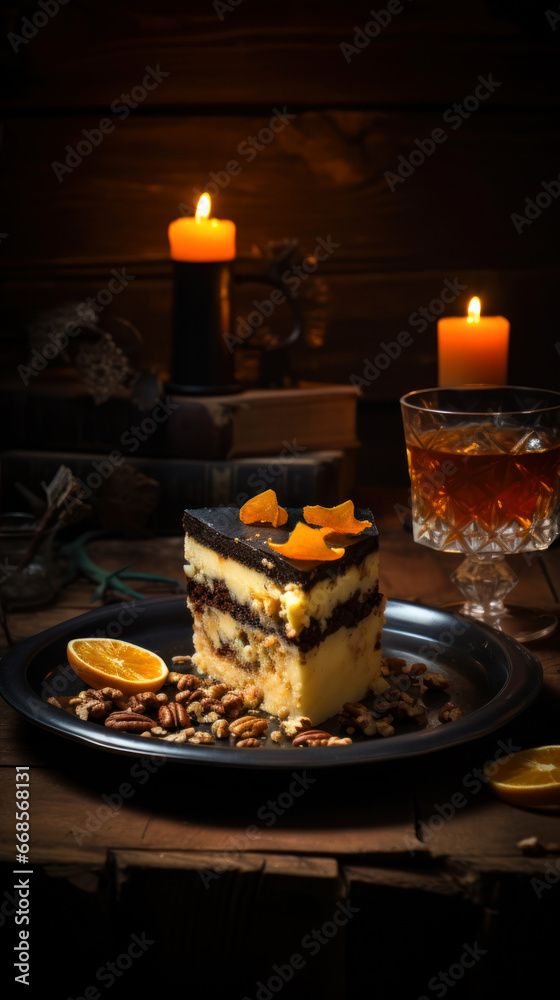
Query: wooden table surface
{"points": [[385, 825]]}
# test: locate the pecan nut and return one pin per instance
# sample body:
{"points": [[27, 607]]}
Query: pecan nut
{"points": [[93, 709], [412, 708], [65, 702], [354, 715], [194, 711], [220, 729], [140, 703], [312, 738], [252, 743], [384, 727], [129, 722], [107, 693], [188, 681], [450, 712], [186, 697], [248, 726], [415, 669], [173, 677], [215, 690], [392, 665], [212, 705], [233, 704], [339, 741], [173, 716], [102, 694]]}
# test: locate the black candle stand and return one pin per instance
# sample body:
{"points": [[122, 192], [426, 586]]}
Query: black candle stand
{"points": [[201, 359]]}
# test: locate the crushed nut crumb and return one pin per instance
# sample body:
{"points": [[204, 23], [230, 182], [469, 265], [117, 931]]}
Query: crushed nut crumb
{"points": [[450, 712], [293, 727], [435, 682], [201, 738], [531, 846]]}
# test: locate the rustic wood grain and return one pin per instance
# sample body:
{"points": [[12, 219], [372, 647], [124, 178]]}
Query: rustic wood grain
{"points": [[254, 54], [291, 895], [323, 175], [72, 810], [365, 310], [297, 865], [485, 827], [430, 880]]}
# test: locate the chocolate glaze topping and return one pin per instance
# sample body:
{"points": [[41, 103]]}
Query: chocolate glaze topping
{"points": [[219, 529]]}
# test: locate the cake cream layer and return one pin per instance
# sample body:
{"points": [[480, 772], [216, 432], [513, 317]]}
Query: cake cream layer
{"points": [[287, 607], [341, 668], [221, 530]]}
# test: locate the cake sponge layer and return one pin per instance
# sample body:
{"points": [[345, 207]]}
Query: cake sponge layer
{"points": [[315, 684], [287, 607]]}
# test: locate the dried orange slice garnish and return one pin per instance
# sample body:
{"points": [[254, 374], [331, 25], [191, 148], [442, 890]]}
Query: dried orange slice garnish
{"points": [[263, 509], [340, 519], [307, 544], [115, 663]]}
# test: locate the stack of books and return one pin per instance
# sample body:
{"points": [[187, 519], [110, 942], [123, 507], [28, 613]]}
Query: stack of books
{"points": [[204, 451]]}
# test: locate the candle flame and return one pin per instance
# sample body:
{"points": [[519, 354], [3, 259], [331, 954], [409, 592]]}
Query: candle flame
{"points": [[202, 208], [474, 310]]}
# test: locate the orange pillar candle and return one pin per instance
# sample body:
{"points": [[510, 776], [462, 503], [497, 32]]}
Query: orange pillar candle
{"points": [[202, 240], [202, 250], [473, 349]]}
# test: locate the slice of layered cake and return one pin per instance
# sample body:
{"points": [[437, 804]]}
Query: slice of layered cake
{"points": [[305, 630]]}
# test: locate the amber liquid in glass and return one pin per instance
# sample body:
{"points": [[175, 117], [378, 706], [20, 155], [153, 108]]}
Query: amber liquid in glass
{"points": [[481, 478]]}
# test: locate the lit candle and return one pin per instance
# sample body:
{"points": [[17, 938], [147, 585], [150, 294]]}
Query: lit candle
{"points": [[473, 349], [202, 239], [202, 250]]}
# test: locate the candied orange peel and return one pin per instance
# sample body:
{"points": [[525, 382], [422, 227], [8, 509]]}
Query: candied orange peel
{"points": [[306, 544], [337, 519], [263, 509]]}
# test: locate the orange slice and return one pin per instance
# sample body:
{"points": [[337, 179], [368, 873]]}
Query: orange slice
{"points": [[263, 509], [305, 544], [339, 519], [114, 663], [528, 778]]}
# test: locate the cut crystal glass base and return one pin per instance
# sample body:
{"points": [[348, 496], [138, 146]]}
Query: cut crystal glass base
{"points": [[485, 581]]}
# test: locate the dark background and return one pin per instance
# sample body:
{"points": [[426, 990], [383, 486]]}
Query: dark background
{"points": [[322, 175]]}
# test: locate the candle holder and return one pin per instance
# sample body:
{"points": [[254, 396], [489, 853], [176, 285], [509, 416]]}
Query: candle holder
{"points": [[202, 359], [201, 362], [484, 466]]}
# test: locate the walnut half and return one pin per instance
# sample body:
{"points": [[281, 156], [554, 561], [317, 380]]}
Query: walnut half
{"points": [[450, 712]]}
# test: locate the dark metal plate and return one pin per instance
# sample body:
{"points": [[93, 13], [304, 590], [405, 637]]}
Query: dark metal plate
{"points": [[492, 678]]}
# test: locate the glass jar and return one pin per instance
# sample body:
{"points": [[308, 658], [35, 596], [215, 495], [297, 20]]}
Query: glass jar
{"points": [[36, 584]]}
